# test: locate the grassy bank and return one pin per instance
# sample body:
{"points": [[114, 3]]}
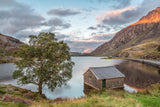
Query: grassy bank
{"points": [[147, 49], [110, 98]]}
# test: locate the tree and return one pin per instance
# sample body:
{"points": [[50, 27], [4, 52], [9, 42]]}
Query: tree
{"points": [[45, 61]]}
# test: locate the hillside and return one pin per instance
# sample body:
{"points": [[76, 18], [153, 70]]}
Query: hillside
{"points": [[146, 49], [148, 27], [78, 54], [9, 43]]}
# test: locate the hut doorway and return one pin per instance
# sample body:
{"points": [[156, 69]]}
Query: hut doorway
{"points": [[104, 83]]}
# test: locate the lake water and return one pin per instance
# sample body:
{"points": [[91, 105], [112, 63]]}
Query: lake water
{"points": [[139, 75], [74, 87]]}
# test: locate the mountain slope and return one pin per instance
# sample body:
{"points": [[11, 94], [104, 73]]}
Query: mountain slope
{"points": [[147, 49], [9, 43], [146, 28]]}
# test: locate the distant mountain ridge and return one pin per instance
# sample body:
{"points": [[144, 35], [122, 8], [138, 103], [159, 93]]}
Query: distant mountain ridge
{"points": [[9, 43], [78, 54], [148, 27]]}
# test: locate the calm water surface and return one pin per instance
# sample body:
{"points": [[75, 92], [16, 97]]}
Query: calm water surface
{"points": [[74, 87], [139, 75]]}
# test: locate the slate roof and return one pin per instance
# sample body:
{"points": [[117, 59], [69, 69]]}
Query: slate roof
{"points": [[106, 72]]}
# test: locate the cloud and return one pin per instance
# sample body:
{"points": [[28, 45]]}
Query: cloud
{"points": [[81, 45], [90, 41], [92, 28], [56, 23], [24, 35], [17, 17], [116, 4], [121, 3], [103, 29], [115, 17], [87, 50], [61, 36], [128, 15], [11, 3], [64, 12], [105, 37]]}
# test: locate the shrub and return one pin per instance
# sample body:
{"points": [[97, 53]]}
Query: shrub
{"points": [[7, 98], [2, 91], [158, 48], [17, 99], [126, 56], [29, 95], [20, 104], [23, 91]]}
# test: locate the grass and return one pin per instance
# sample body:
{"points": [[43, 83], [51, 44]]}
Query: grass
{"points": [[12, 104], [110, 98], [146, 49], [97, 98]]}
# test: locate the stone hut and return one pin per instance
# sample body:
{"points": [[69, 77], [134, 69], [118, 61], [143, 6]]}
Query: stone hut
{"points": [[103, 78]]}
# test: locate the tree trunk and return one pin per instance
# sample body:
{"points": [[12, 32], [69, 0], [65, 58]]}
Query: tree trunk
{"points": [[40, 88]]}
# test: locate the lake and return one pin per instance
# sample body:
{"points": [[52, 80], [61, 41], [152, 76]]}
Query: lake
{"points": [[137, 75]]}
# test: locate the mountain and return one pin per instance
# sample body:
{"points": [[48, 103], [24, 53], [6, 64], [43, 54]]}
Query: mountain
{"points": [[146, 29], [78, 54], [9, 43]]}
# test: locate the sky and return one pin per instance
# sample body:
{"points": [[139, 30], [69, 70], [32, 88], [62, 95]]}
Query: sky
{"points": [[82, 24]]}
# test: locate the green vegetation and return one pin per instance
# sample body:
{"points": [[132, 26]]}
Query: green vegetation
{"points": [[134, 41], [96, 98], [147, 49], [12, 104], [4, 56], [111, 98], [158, 49], [45, 61], [11, 96]]}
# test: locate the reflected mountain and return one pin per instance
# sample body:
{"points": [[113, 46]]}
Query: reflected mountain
{"points": [[139, 75]]}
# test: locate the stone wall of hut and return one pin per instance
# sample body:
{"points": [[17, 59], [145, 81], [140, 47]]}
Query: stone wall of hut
{"points": [[91, 79], [114, 83]]}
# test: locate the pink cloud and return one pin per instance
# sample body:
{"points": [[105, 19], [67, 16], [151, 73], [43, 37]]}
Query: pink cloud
{"points": [[114, 13], [101, 35], [87, 50], [90, 41]]}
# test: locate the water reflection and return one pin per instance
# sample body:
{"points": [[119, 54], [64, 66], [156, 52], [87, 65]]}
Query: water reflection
{"points": [[74, 87], [139, 75]]}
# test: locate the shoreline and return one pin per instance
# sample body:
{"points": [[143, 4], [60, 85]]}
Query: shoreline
{"points": [[145, 61]]}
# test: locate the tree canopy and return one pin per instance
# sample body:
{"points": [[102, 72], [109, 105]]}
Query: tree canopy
{"points": [[44, 61]]}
